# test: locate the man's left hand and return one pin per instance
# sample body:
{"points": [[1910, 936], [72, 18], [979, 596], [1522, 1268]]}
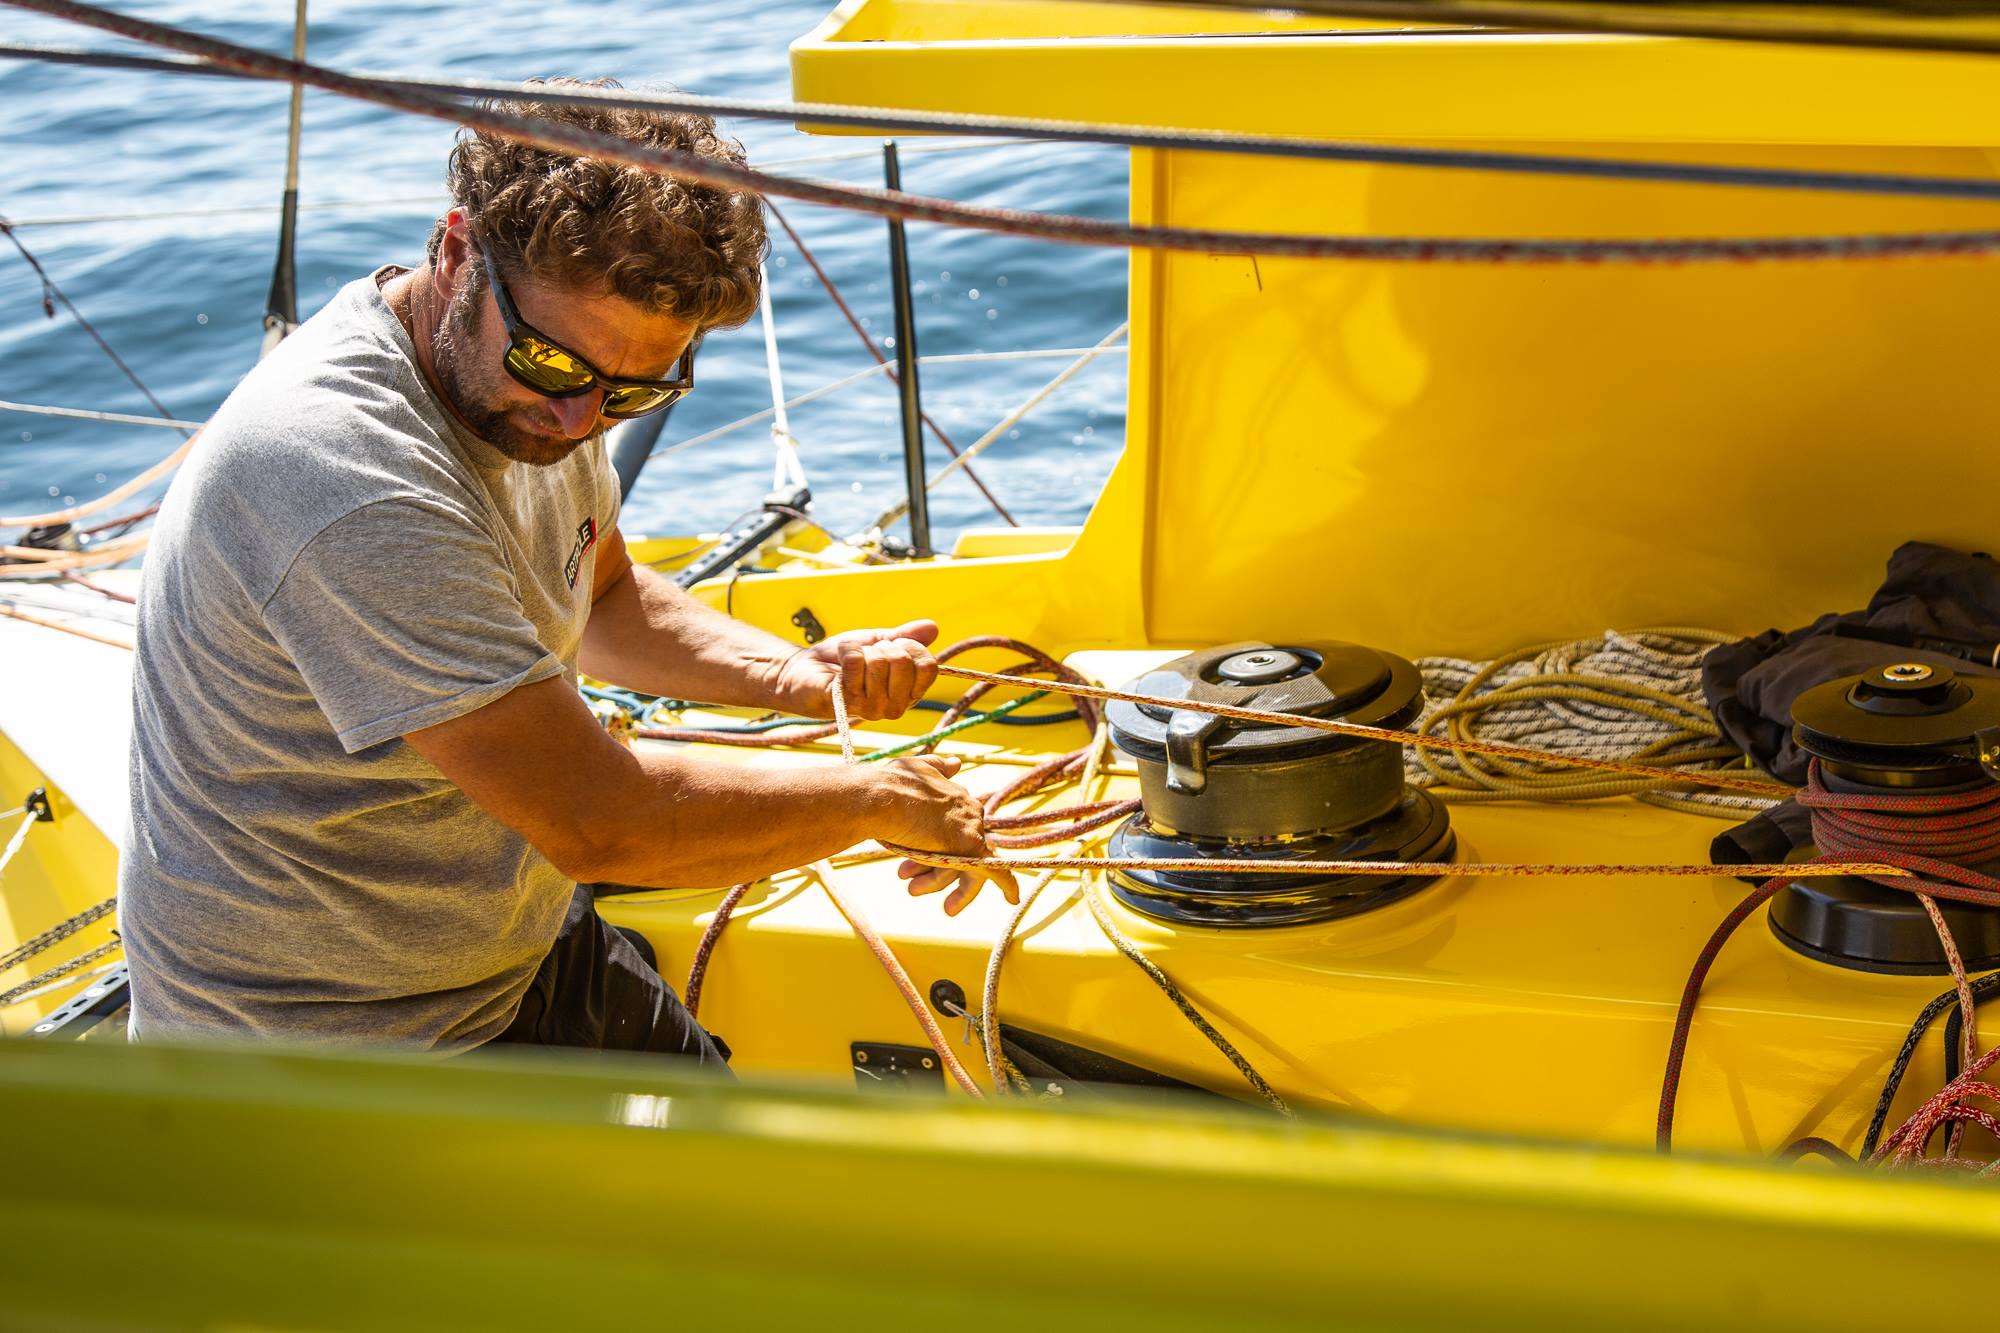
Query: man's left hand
{"points": [[882, 672]]}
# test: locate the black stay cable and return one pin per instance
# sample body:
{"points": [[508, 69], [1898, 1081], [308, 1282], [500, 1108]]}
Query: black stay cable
{"points": [[51, 293], [729, 175], [1128, 136], [1982, 988]]}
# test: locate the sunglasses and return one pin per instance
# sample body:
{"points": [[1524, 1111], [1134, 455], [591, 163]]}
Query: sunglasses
{"points": [[539, 363]]}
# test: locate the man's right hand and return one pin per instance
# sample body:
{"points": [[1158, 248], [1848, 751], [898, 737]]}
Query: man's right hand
{"points": [[921, 807]]}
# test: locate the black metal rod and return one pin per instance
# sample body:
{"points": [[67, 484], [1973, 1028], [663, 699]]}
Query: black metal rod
{"points": [[916, 477]]}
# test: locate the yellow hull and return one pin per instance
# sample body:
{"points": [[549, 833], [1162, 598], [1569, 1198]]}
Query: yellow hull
{"points": [[1428, 459]]}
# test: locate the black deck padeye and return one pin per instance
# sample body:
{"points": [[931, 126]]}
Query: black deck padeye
{"points": [[1217, 788]]}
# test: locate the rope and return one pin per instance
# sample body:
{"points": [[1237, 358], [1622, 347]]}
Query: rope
{"points": [[1634, 769], [1180, 1001], [82, 960], [698, 968], [14, 845], [109, 553], [57, 933], [854, 322], [1981, 987], [690, 166], [888, 122], [1879, 870], [84, 414], [105, 501], [865, 928], [838, 694], [787, 474], [100, 589], [15, 613], [996, 1059], [997, 1064], [886, 956], [1633, 696], [1887, 828]]}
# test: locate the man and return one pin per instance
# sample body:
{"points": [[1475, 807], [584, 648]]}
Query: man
{"points": [[364, 788]]}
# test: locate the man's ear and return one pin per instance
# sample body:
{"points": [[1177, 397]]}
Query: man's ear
{"points": [[454, 249]]}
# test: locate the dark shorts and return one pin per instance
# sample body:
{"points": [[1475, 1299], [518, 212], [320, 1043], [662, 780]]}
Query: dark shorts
{"points": [[597, 989]]}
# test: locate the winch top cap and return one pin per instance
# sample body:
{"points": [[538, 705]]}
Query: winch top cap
{"points": [[1919, 713], [1327, 679]]}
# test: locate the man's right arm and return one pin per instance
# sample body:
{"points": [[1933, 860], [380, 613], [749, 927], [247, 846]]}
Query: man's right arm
{"points": [[536, 760]]}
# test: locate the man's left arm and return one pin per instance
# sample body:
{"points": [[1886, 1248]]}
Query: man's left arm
{"points": [[647, 634]]}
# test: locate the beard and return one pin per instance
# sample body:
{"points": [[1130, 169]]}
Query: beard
{"points": [[476, 387]]}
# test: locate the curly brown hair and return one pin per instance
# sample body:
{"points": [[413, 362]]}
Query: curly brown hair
{"points": [[666, 245]]}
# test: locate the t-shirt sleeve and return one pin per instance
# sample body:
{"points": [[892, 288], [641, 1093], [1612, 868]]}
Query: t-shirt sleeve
{"points": [[401, 615]]}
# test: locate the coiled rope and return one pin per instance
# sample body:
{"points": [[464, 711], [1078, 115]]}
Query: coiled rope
{"points": [[1633, 695], [410, 97]]}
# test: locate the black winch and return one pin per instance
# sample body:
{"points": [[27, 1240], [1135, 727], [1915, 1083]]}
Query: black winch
{"points": [[1221, 789], [1908, 729]]}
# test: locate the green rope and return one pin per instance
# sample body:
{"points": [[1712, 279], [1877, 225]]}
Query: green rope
{"points": [[1123, 943], [971, 720]]}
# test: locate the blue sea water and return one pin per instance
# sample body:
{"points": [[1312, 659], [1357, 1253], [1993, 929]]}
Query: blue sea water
{"points": [[177, 285]]}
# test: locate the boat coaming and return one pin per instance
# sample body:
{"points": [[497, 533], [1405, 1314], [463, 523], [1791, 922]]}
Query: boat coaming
{"points": [[272, 1189]]}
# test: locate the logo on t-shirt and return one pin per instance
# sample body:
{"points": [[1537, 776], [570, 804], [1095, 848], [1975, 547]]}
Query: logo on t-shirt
{"points": [[586, 537]]}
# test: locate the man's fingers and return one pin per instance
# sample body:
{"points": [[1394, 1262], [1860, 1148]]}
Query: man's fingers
{"points": [[923, 631], [930, 879], [901, 686], [853, 675], [947, 765], [967, 890]]}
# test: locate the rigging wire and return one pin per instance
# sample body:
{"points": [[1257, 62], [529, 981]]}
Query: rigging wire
{"points": [[577, 141], [867, 372], [788, 475], [1006, 423], [1041, 129], [52, 293], [853, 322]]}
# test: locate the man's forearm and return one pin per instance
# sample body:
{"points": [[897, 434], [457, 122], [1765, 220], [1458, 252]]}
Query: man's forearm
{"points": [[688, 824], [647, 634]]}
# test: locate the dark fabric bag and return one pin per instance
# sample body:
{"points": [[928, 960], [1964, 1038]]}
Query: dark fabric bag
{"points": [[1936, 605]]}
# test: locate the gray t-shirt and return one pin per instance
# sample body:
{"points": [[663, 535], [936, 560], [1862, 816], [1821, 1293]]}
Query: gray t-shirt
{"points": [[338, 564]]}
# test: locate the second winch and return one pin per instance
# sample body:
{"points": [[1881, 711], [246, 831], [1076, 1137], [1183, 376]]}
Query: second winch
{"points": [[1221, 789]]}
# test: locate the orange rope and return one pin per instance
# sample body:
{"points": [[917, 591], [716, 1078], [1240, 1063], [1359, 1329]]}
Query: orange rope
{"points": [[1433, 869], [1772, 790]]}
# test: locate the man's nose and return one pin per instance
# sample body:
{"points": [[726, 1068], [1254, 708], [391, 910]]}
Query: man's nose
{"points": [[577, 416]]}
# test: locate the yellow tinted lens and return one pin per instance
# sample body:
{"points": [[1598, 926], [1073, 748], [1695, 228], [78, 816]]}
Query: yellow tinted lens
{"points": [[546, 366], [632, 402]]}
